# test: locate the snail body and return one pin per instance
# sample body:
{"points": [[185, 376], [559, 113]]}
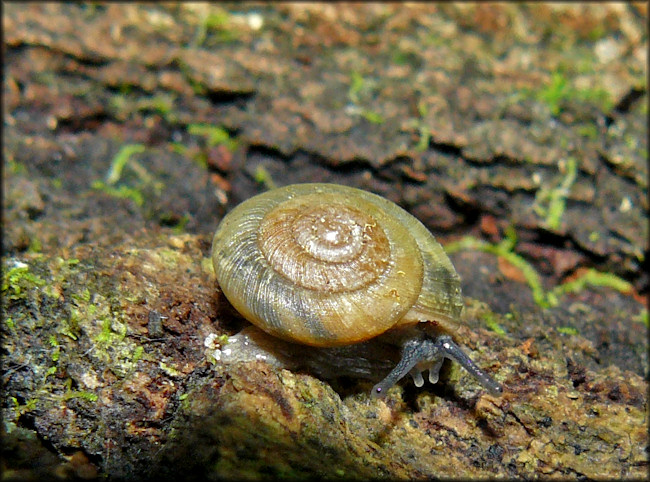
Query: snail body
{"points": [[342, 270]]}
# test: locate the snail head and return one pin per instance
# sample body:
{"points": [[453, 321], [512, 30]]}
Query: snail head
{"points": [[428, 354]]}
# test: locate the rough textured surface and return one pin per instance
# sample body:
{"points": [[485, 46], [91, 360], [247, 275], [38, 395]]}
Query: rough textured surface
{"points": [[122, 377], [516, 133]]}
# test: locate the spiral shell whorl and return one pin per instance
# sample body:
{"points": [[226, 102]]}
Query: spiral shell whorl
{"points": [[321, 244]]}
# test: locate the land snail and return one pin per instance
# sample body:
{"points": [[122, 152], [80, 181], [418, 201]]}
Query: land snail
{"points": [[341, 281]]}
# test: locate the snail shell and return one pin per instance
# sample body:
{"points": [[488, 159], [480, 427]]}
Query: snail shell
{"points": [[347, 272], [328, 265]]}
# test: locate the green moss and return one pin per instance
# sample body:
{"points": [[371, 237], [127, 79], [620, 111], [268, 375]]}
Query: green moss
{"points": [[567, 330], [545, 299], [168, 257], [199, 89], [161, 104], [88, 310], [144, 180], [217, 25], [531, 276], [35, 245], [15, 167], [505, 249], [425, 138], [594, 278], [215, 135], [550, 203], [28, 406], [103, 325], [559, 91], [83, 296], [120, 161], [169, 370], [557, 201], [372, 117], [54, 343], [108, 333], [137, 354], [360, 87], [70, 326], [111, 345], [9, 322], [555, 93], [121, 192], [643, 318], [357, 84], [491, 323], [201, 159], [178, 148], [181, 224], [18, 281], [590, 131], [89, 396], [263, 177]]}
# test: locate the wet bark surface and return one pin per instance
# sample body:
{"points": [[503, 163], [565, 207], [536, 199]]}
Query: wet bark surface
{"points": [[516, 133]]}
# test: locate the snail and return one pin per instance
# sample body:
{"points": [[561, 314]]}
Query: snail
{"points": [[342, 281]]}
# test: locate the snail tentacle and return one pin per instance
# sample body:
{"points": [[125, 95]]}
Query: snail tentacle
{"points": [[452, 351], [434, 371], [413, 352]]}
